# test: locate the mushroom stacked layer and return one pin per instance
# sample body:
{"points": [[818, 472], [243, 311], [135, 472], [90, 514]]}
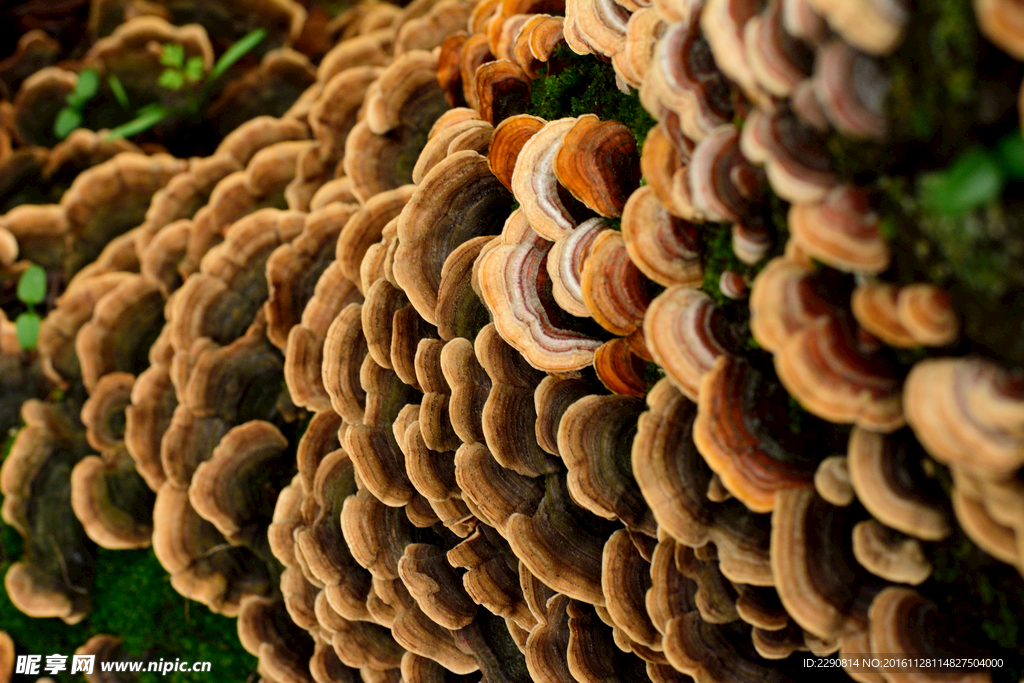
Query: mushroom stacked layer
{"points": [[421, 386]]}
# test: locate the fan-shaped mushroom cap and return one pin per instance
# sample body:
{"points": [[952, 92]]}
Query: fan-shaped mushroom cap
{"points": [[625, 580], [549, 641], [287, 518], [743, 433], [841, 230], [127, 182], [509, 137], [305, 362], [470, 387], [53, 578], [74, 308], [112, 501], [534, 182], [966, 412], [691, 89], [202, 566], [686, 333], [561, 544], [830, 374], [874, 26], [832, 481], [492, 492], [146, 419], [436, 586], [663, 247], [123, 325], [819, 581], [344, 351], [513, 284], [793, 153], [903, 622], [887, 474], [674, 480], [230, 489], [594, 439], [723, 184], [455, 130], [565, 264], [597, 162], [851, 88], [222, 299], [266, 631], [503, 90], [458, 200], [643, 30], [492, 579], [294, 268], [783, 300], [889, 554], [225, 386], [614, 290], [509, 414]]}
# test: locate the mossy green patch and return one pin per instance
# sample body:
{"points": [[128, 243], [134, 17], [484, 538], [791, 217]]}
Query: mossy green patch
{"points": [[572, 85]]}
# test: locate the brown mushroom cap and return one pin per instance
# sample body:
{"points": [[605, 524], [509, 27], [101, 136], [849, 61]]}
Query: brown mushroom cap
{"points": [[674, 479], [595, 436], [112, 501], [458, 200], [889, 477], [819, 581], [889, 554], [53, 577], [965, 412]]}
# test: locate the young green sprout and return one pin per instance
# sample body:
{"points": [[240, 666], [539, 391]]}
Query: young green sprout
{"points": [[180, 71], [31, 292], [70, 117]]}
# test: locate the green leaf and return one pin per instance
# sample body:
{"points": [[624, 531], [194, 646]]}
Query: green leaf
{"points": [[27, 328], [119, 93], [173, 55], [171, 79], [32, 285], [67, 120], [236, 52], [148, 117], [972, 180], [1011, 155], [194, 69], [87, 84]]}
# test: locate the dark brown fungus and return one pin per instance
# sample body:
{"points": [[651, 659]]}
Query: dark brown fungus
{"points": [[674, 479], [595, 436]]}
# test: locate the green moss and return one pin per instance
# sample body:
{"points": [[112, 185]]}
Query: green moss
{"points": [[572, 85], [718, 258]]}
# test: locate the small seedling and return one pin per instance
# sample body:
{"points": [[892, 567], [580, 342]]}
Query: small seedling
{"points": [[31, 292], [70, 117], [180, 71]]}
